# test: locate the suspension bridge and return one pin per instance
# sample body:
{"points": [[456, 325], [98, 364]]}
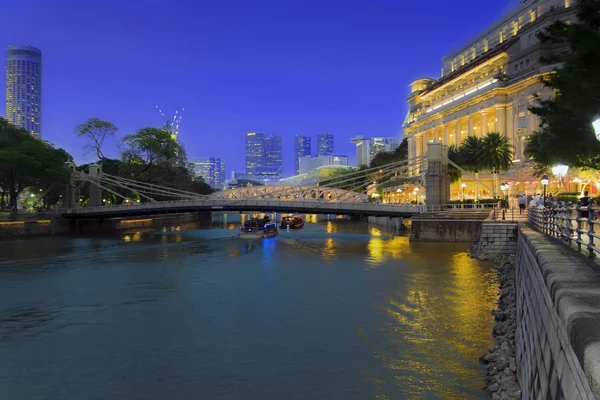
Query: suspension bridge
{"points": [[346, 195]]}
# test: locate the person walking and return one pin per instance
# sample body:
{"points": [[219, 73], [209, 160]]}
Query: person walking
{"points": [[522, 200]]}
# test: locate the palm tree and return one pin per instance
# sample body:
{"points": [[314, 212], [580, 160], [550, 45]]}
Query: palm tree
{"points": [[455, 155], [496, 155], [471, 153]]}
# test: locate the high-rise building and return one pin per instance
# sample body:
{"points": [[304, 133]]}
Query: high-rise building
{"points": [[367, 148], [24, 88], [363, 150], [273, 155], [211, 169], [263, 156], [308, 164], [255, 151], [302, 150], [325, 144]]}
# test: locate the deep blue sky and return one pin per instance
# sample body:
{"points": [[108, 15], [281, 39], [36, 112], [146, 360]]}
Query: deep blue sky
{"points": [[284, 67]]}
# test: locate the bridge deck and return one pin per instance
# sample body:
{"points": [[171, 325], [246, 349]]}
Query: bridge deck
{"points": [[246, 205]]}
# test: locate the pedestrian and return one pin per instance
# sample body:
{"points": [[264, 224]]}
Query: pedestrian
{"points": [[522, 200], [585, 202]]}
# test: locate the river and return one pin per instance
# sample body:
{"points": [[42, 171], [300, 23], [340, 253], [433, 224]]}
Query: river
{"points": [[337, 310]]}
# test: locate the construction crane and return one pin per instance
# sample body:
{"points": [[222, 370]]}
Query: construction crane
{"points": [[172, 125]]}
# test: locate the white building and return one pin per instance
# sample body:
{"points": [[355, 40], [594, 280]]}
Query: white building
{"points": [[24, 88], [367, 148], [308, 164]]}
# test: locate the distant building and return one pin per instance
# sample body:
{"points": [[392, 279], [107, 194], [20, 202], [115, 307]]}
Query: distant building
{"points": [[367, 148], [24, 88], [302, 150], [308, 164], [263, 156], [212, 170], [238, 174], [255, 151], [325, 145]]}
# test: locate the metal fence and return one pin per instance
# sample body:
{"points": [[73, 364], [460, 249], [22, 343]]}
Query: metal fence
{"points": [[574, 225]]}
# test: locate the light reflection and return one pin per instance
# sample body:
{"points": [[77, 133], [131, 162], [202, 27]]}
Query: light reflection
{"points": [[329, 251]]}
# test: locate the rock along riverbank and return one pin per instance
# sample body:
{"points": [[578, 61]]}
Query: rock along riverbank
{"points": [[501, 382]]}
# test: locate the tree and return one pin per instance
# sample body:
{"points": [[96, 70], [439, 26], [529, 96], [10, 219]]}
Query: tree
{"points": [[97, 131], [471, 155], [566, 134], [28, 162], [456, 156], [495, 155]]}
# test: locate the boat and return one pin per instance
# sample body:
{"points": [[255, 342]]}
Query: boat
{"points": [[292, 222], [259, 228]]}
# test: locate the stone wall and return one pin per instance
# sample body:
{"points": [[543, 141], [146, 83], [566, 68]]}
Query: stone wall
{"points": [[445, 230], [496, 238], [14, 229], [558, 314], [390, 223]]}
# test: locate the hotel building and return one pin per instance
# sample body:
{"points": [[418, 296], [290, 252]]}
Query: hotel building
{"points": [[488, 85]]}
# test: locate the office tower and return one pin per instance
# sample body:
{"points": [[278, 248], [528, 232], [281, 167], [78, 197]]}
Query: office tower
{"points": [[255, 151], [302, 150], [211, 169], [309, 164], [273, 155], [363, 150], [24, 88], [325, 145], [380, 144]]}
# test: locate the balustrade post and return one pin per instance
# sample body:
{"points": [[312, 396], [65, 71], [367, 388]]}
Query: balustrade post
{"points": [[590, 232], [579, 225]]}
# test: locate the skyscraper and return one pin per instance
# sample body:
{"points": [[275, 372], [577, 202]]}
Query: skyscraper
{"points": [[211, 169], [255, 151], [325, 145], [379, 144], [302, 150], [273, 154], [24, 88], [363, 150]]}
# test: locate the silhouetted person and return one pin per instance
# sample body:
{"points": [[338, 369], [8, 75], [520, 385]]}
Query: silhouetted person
{"points": [[585, 202]]}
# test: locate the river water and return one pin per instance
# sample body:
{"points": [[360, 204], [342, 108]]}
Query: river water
{"points": [[337, 310]]}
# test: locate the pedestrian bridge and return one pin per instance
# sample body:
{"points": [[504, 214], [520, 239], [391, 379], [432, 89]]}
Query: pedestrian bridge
{"points": [[319, 206]]}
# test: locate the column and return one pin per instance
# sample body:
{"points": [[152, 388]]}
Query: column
{"points": [[410, 148], [445, 135], [457, 133], [501, 120], [425, 141], [484, 126], [510, 128], [470, 126], [419, 143]]}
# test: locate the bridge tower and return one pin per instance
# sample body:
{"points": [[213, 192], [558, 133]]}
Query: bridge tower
{"points": [[437, 181], [95, 190], [69, 197]]}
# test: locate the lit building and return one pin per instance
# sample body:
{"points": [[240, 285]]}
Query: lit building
{"points": [[325, 144], [367, 148], [263, 156], [255, 151], [212, 170], [488, 85], [24, 88], [308, 164], [273, 157], [302, 149]]}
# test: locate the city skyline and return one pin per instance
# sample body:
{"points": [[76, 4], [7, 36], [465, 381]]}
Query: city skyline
{"points": [[315, 84]]}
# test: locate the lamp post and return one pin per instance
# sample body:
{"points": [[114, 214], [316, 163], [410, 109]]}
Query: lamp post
{"points": [[462, 190], [416, 195], [560, 171], [596, 125], [544, 183]]}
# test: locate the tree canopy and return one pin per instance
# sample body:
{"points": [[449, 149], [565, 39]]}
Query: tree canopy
{"points": [[97, 131], [26, 161], [566, 134]]}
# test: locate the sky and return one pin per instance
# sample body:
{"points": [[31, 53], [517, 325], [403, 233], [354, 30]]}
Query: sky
{"points": [[283, 67]]}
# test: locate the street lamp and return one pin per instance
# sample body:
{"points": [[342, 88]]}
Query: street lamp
{"points": [[560, 171], [596, 125], [544, 183], [462, 189]]}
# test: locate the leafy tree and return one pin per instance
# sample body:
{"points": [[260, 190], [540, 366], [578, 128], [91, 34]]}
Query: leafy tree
{"points": [[471, 154], [97, 131], [566, 134], [456, 156], [495, 155], [28, 162]]}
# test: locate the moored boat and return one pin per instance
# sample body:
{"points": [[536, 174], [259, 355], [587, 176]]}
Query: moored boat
{"points": [[292, 222], [259, 228]]}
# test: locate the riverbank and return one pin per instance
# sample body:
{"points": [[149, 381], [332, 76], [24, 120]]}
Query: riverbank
{"points": [[500, 361]]}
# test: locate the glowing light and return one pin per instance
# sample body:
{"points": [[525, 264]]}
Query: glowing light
{"points": [[560, 170]]}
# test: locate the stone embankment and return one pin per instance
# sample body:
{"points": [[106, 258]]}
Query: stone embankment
{"points": [[500, 361]]}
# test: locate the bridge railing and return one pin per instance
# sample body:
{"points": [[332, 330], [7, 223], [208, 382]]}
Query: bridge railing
{"points": [[574, 225]]}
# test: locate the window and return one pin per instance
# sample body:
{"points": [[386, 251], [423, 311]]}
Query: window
{"points": [[530, 39], [521, 65], [527, 62], [516, 67]]}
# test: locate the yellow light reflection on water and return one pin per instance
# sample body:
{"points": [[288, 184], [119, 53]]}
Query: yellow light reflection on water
{"points": [[310, 218]]}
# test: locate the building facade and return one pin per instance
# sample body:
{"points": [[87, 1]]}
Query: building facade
{"points": [[367, 148], [488, 85], [211, 169], [302, 149], [255, 151], [273, 157], [380, 144], [325, 144], [263, 156], [24, 88], [309, 164]]}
